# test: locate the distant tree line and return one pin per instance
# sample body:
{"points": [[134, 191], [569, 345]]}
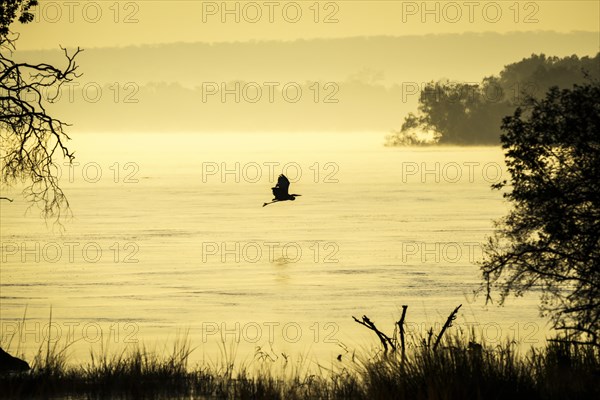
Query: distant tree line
{"points": [[468, 113]]}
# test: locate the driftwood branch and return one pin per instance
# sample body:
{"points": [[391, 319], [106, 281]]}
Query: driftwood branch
{"points": [[388, 342], [401, 329], [447, 325], [385, 339]]}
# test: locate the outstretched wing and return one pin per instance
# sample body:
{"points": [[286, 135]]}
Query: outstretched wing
{"points": [[280, 191], [283, 182]]}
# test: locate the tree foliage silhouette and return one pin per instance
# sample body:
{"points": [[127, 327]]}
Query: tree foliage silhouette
{"points": [[550, 240], [471, 113]]}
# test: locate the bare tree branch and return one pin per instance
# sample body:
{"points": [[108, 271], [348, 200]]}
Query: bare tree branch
{"points": [[32, 140]]}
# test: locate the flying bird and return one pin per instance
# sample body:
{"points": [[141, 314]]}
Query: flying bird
{"points": [[281, 191]]}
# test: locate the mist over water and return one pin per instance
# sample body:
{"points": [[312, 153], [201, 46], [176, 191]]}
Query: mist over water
{"points": [[169, 235]]}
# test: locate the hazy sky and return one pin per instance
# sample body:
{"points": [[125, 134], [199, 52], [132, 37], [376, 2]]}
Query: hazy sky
{"points": [[371, 44], [120, 23]]}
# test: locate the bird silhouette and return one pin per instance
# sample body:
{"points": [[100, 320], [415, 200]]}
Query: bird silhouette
{"points": [[281, 191]]}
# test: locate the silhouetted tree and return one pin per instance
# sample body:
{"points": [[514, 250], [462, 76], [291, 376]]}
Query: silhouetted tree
{"points": [[464, 113], [550, 240], [31, 139], [10, 9]]}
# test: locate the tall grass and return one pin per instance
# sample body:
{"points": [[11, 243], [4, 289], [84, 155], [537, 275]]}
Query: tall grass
{"points": [[450, 367], [455, 370], [460, 371]]}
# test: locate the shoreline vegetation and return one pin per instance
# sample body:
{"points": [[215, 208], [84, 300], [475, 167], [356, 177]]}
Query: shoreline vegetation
{"points": [[438, 365]]}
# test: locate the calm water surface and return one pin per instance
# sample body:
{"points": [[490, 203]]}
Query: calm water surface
{"points": [[169, 236]]}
